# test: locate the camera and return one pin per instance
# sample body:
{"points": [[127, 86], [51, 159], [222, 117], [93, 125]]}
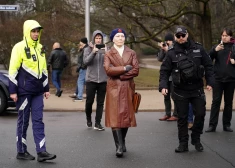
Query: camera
{"points": [[99, 46], [164, 44]]}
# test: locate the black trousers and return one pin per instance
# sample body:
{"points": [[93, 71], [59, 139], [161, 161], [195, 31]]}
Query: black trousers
{"points": [[182, 100], [167, 101], [92, 89], [219, 88]]}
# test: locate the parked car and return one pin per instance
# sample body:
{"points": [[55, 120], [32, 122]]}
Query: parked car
{"points": [[5, 100]]}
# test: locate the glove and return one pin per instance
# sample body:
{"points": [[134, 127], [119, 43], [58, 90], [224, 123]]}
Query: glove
{"points": [[128, 68]]}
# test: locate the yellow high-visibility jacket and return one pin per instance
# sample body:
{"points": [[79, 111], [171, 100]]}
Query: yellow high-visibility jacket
{"points": [[28, 75]]}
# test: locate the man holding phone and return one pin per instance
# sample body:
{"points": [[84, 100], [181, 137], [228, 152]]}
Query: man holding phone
{"points": [[96, 79]]}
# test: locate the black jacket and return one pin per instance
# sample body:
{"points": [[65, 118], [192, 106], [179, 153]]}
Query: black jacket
{"points": [[58, 59], [81, 64], [223, 69], [199, 56]]}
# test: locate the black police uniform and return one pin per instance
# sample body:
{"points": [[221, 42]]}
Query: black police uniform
{"points": [[186, 92]]}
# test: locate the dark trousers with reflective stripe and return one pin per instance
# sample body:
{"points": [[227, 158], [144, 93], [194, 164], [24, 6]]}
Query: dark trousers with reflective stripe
{"points": [[182, 100], [25, 105]]}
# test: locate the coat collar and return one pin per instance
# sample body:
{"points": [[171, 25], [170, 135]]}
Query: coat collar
{"points": [[125, 56]]}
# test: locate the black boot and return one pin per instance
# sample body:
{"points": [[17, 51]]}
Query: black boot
{"points": [[124, 132], [181, 148], [25, 156], [117, 135], [43, 156]]}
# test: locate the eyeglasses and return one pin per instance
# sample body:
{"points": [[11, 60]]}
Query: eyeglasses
{"points": [[180, 35]]}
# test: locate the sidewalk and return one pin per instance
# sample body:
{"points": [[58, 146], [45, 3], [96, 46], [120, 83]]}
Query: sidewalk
{"points": [[152, 101]]}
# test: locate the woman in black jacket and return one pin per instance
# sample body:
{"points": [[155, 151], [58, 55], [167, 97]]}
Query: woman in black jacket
{"points": [[224, 69]]}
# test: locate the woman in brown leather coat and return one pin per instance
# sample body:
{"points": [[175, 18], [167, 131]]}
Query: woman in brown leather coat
{"points": [[121, 66]]}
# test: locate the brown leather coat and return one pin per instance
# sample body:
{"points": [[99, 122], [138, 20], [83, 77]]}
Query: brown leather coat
{"points": [[119, 111]]}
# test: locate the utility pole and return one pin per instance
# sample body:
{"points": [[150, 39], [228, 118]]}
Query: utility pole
{"points": [[87, 19]]}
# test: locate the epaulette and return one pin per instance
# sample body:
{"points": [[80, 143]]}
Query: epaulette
{"points": [[198, 43]]}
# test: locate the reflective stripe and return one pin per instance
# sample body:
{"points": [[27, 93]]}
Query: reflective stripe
{"points": [[13, 80], [24, 141], [42, 142], [30, 71], [17, 139], [45, 73], [45, 82], [24, 104]]}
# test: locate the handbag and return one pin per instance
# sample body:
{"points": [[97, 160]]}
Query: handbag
{"points": [[136, 101]]}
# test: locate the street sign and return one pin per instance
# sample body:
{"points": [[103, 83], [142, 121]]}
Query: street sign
{"points": [[9, 7]]}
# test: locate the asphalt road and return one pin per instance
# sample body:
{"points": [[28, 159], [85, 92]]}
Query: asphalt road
{"points": [[150, 145]]}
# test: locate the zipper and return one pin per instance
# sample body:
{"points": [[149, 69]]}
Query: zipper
{"points": [[228, 57], [37, 61], [98, 67]]}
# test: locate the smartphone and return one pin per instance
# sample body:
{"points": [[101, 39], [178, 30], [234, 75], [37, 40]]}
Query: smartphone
{"points": [[99, 46]]}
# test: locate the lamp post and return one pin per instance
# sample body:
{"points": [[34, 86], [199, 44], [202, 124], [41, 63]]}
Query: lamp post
{"points": [[87, 19]]}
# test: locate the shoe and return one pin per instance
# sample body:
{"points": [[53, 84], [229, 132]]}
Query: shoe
{"points": [[60, 93], [210, 129], [228, 129], [43, 156], [77, 99], [98, 127], [73, 96], [190, 125], [89, 124], [164, 118], [172, 118], [198, 146], [181, 148], [25, 156]]}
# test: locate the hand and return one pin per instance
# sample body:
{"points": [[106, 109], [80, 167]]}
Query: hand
{"points": [[47, 94], [91, 45], [128, 68], [95, 50], [219, 47], [14, 97], [164, 91], [165, 47], [209, 88], [232, 61]]}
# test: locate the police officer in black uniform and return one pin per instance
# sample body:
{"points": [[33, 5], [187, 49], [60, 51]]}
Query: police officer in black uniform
{"points": [[188, 62]]}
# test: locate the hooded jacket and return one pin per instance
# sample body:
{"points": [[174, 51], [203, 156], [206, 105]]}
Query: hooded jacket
{"points": [[223, 69], [28, 75], [94, 62]]}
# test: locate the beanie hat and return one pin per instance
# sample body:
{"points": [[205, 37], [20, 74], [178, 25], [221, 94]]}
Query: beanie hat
{"points": [[84, 40], [169, 37], [115, 31]]}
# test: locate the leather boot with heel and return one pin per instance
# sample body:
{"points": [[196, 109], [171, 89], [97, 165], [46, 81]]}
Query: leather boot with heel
{"points": [[117, 135], [124, 132]]}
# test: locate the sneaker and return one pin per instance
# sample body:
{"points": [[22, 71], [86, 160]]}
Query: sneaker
{"points": [[43, 156], [89, 124], [98, 127], [25, 156], [73, 96], [77, 99]]}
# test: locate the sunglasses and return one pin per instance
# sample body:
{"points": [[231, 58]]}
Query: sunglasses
{"points": [[180, 35]]}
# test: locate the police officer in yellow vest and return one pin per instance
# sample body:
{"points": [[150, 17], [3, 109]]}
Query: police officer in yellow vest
{"points": [[28, 85]]}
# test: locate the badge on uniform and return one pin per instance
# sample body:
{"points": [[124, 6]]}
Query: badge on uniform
{"points": [[34, 57]]}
